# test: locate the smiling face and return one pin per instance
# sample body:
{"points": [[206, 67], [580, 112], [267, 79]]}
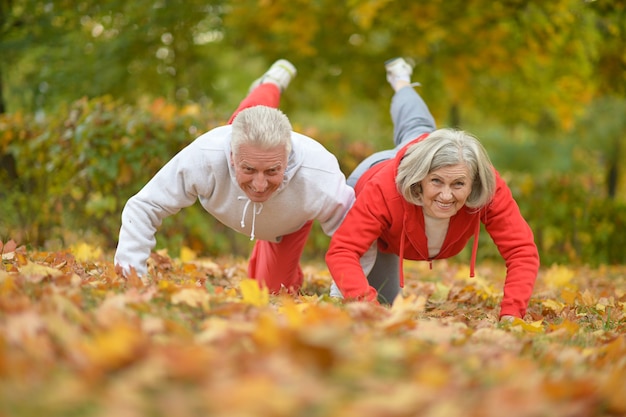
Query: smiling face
{"points": [[259, 172], [445, 191]]}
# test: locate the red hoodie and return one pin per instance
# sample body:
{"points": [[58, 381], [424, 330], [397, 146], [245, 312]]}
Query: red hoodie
{"points": [[381, 213]]}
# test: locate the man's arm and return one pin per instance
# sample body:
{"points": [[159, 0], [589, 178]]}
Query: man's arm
{"points": [[171, 189]]}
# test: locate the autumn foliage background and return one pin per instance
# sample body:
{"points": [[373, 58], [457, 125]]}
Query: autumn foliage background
{"points": [[94, 98]]}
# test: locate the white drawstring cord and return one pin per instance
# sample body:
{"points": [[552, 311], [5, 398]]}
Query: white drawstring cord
{"points": [[256, 209]]}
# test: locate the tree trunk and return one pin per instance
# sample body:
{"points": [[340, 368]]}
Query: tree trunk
{"points": [[3, 107], [455, 116], [8, 167], [612, 176]]}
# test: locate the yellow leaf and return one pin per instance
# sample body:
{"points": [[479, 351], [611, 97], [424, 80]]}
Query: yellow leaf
{"points": [[267, 333], [166, 286], [84, 252], [187, 254], [253, 294], [293, 312], [570, 327], [36, 272], [481, 285], [532, 327], [7, 283], [569, 296], [114, 347], [558, 276], [553, 305]]}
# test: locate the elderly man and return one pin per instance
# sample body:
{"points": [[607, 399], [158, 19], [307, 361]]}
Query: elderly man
{"points": [[254, 175]]}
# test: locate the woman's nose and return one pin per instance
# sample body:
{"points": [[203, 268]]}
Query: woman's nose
{"points": [[446, 193]]}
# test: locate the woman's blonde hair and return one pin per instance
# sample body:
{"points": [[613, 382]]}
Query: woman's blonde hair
{"points": [[265, 127], [442, 148]]}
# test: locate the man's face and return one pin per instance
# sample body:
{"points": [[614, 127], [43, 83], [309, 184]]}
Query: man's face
{"points": [[259, 172]]}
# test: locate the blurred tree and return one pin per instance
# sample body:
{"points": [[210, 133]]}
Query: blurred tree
{"points": [[602, 141], [62, 50], [514, 62], [521, 60], [605, 122]]}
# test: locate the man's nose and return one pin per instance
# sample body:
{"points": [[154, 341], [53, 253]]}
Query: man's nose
{"points": [[260, 182]]}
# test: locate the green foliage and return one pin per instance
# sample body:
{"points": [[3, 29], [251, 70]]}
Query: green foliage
{"points": [[540, 82], [59, 51], [531, 58], [572, 221], [78, 167]]}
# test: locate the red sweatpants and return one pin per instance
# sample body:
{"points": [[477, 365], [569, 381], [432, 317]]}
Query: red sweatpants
{"points": [[275, 265], [267, 94]]}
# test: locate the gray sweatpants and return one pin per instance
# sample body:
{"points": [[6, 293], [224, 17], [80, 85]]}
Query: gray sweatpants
{"points": [[411, 118]]}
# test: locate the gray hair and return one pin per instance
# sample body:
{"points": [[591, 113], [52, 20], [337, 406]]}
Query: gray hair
{"points": [[261, 126], [442, 148]]}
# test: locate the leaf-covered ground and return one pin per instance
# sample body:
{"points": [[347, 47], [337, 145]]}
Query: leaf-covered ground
{"points": [[199, 339]]}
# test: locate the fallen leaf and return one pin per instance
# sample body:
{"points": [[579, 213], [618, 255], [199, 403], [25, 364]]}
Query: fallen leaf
{"points": [[84, 252], [112, 348], [187, 254], [192, 297], [252, 293], [34, 272], [553, 305]]}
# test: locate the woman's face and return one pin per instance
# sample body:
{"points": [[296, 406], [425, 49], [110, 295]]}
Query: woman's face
{"points": [[445, 190]]}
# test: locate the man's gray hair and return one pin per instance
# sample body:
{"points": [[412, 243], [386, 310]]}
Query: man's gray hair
{"points": [[443, 148], [262, 126]]}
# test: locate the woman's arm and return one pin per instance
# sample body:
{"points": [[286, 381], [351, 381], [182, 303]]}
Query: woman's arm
{"points": [[515, 241], [361, 227]]}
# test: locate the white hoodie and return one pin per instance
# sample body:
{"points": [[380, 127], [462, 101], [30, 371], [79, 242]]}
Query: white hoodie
{"points": [[314, 188]]}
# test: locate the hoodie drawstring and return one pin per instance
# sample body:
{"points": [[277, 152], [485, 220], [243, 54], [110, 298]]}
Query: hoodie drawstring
{"points": [[474, 249], [256, 209], [401, 254]]}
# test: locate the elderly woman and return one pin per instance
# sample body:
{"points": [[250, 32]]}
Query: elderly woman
{"points": [[424, 200]]}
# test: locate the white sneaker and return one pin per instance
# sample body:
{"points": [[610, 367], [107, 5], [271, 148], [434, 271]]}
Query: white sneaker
{"points": [[280, 73], [334, 291], [398, 69]]}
